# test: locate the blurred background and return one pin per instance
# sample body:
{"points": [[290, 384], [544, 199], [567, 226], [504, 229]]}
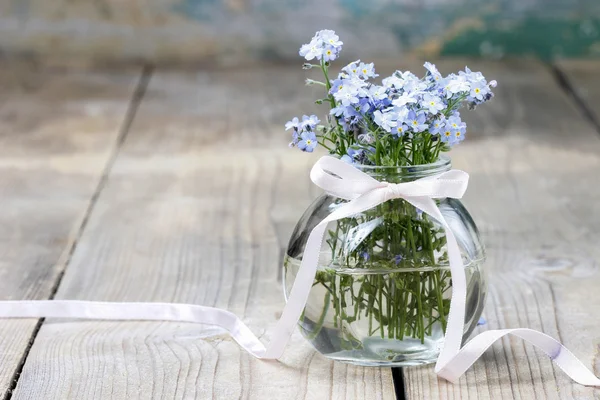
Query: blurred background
{"points": [[226, 32]]}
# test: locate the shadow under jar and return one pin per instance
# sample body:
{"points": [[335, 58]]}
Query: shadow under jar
{"points": [[381, 294]]}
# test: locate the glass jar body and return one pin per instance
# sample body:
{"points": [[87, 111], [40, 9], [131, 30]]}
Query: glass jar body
{"points": [[382, 291]]}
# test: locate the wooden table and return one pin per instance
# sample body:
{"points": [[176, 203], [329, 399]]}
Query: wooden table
{"points": [[108, 191]]}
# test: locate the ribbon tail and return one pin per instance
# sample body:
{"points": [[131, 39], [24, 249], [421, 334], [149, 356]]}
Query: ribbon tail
{"points": [[129, 311], [558, 353]]}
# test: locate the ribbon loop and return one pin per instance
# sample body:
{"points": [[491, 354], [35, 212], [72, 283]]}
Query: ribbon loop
{"points": [[363, 193]]}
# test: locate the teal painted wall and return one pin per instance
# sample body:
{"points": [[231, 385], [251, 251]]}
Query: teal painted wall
{"points": [[234, 31]]}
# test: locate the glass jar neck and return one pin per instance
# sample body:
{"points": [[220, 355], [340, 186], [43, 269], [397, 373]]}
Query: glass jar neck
{"points": [[406, 173]]}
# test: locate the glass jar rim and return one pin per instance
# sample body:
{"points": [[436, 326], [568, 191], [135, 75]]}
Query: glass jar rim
{"points": [[442, 164], [442, 161]]}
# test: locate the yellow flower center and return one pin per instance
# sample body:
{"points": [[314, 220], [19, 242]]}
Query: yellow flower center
{"points": [[308, 141], [448, 133], [477, 90], [364, 71]]}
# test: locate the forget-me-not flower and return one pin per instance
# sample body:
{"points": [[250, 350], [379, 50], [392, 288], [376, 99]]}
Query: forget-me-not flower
{"points": [[310, 122], [330, 38], [336, 85], [352, 68], [347, 96], [433, 71], [312, 50], [455, 123], [393, 82], [405, 98], [294, 123], [432, 103], [400, 129], [479, 91], [416, 122], [386, 120], [437, 125], [366, 71], [377, 92], [324, 45], [307, 142], [455, 84]]}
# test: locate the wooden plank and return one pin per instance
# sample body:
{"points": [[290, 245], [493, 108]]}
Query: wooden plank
{"points": [[534, 162], [57, 131], [198, 208], [584, 77]]}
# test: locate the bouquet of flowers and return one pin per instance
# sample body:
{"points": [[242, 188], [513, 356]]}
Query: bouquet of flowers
{"points": [[386, 273], [404, 121]]}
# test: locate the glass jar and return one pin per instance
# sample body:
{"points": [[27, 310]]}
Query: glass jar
{"points": [[382, 291]]}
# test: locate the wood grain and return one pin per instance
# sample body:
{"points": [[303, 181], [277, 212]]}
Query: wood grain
{"points": [[57, 131], [534, 163], [164, 229], [197, 208]]}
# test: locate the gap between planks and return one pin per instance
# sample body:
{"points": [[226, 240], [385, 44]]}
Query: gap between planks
{"points": [[136, 99], [565, 84]]}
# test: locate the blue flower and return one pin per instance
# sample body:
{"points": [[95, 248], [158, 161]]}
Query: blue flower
{"points": [[329, 54], [397, 259], [479, 91], [330, 39], [456, 124], [386, 120], [312, 50], [294, 141], [324, 45], [416, 122], [365, 255], [400, 130], [351, 69], [447, 136], [433, 72], [393, 82], [437, 125], [405, 98], [432, 103], [336, 85], [308, 142], [459, 136], [347, 96], [366, 71], [347, 112], [347, 159], [309, 123], [292, 124], [354, 153], [377, 92], [454, 85]]}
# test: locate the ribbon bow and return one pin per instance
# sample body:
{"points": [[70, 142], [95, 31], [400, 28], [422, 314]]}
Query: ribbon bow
{"points": [[363, 193]]}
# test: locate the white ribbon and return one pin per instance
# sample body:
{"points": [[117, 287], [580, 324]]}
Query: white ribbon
{"points": [[363, 193]]}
